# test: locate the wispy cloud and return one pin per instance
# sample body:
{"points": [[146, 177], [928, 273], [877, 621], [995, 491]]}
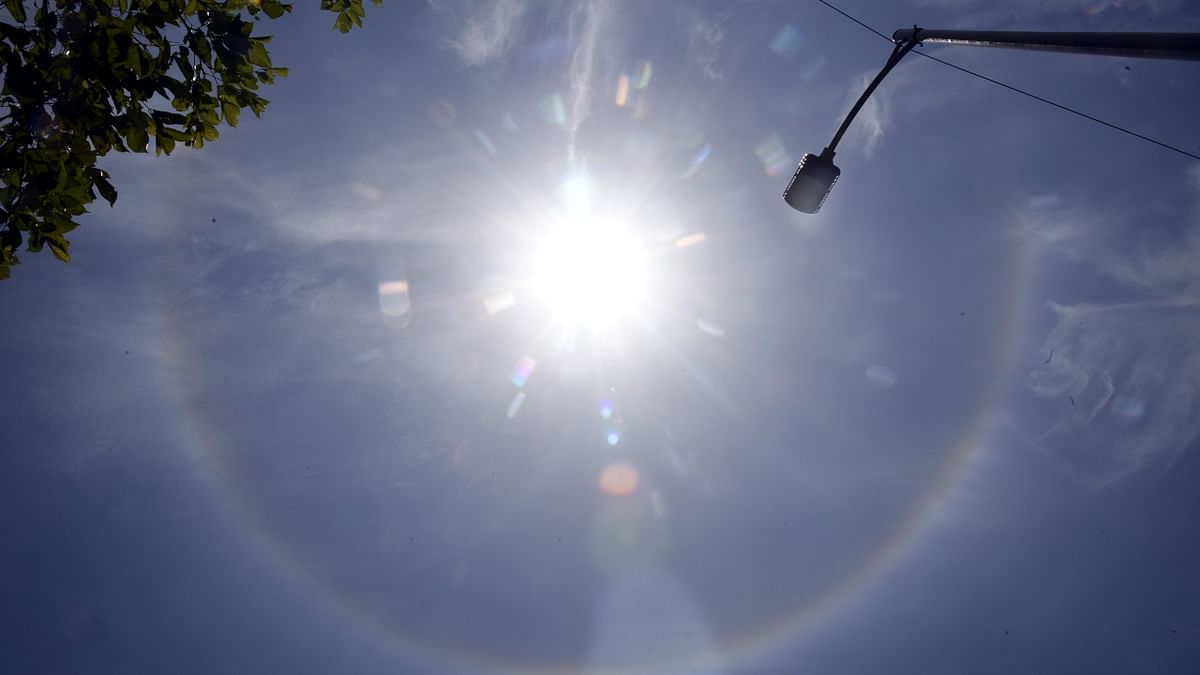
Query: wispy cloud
{"points": [[370, 199], [705, 38], [483, 31], [381, 201], [1126, 374], [1127, 377], [590, 24], [874, 118], [1159, 257], [895, 97]]}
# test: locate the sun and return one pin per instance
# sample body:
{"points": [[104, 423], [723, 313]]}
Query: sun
{"points": [[591, 271]]}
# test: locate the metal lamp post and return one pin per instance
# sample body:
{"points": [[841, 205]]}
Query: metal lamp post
{"points": [[815, 176]]}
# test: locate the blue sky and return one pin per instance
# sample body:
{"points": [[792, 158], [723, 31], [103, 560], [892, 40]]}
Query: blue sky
{"points": [[325, 397]]}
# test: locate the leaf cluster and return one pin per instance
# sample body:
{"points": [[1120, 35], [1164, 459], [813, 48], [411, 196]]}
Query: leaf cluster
{"points": [[82, 78]]}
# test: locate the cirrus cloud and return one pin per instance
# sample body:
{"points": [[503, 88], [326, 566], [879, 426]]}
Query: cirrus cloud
{"points": [[1127, 374]]}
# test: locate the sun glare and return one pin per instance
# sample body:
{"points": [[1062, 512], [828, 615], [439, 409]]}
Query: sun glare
{"points": [[590, 270]]}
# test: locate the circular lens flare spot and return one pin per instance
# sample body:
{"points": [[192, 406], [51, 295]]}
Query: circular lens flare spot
{"points": [[619, 480], [882, 377]]}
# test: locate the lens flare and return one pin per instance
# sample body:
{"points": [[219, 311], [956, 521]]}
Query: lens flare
{"points": [[499, 302], [773, 155], [622, 90], [394, 300], [882, 377], [787, 41], [523, 370], [553, 110], [690, 240], [619, 480], [1128, 410], [486, 142], [644, 72], [515, 406], [697, 161]]}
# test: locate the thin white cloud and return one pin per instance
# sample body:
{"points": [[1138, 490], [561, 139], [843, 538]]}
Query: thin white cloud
{"points": [[589, 25], [904, 93], [483, 31], [873, 120], [705, 39], [1159, 257], [417, 199], [379, 201], [1126, 375]]}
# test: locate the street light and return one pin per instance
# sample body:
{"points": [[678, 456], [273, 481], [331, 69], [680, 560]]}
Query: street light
{"points": [[816, 174]]}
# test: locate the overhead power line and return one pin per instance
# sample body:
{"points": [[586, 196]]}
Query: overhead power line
{"points": [[1018, 90], [855, 20]]}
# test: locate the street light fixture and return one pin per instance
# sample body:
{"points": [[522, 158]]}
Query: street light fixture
{"points": [[816, 174]]}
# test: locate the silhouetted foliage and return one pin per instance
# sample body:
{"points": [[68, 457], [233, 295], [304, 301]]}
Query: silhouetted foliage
{"points": [[82, 78]]}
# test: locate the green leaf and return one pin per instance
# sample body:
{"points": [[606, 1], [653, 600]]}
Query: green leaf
{"points": [[231, 112], [10, 240], [163, 143], [185, 68], [258, 105], [201, 46], [106, 188], [137, 138], [133, 56], [274, 9], [162, 117], [257, 54], [208, 114], [100, 68], [17, 9], [57, 225], [58, 246]]}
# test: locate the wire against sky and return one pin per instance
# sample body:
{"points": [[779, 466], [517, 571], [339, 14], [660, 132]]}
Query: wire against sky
{"points": [[1021, 91], [854, 20]]}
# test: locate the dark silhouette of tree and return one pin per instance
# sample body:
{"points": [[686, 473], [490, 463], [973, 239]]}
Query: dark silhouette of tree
{"points": [[82, 78]]}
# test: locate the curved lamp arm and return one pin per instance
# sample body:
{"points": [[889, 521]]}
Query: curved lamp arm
{"points": [[902, 48], [815, 176]]}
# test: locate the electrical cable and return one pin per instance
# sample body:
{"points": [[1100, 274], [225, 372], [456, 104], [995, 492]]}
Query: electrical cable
{"points": [[1022, 91], [855, 20]]}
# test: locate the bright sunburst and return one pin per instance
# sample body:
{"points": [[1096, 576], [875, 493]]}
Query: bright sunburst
{"points": [[590, 271]]}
